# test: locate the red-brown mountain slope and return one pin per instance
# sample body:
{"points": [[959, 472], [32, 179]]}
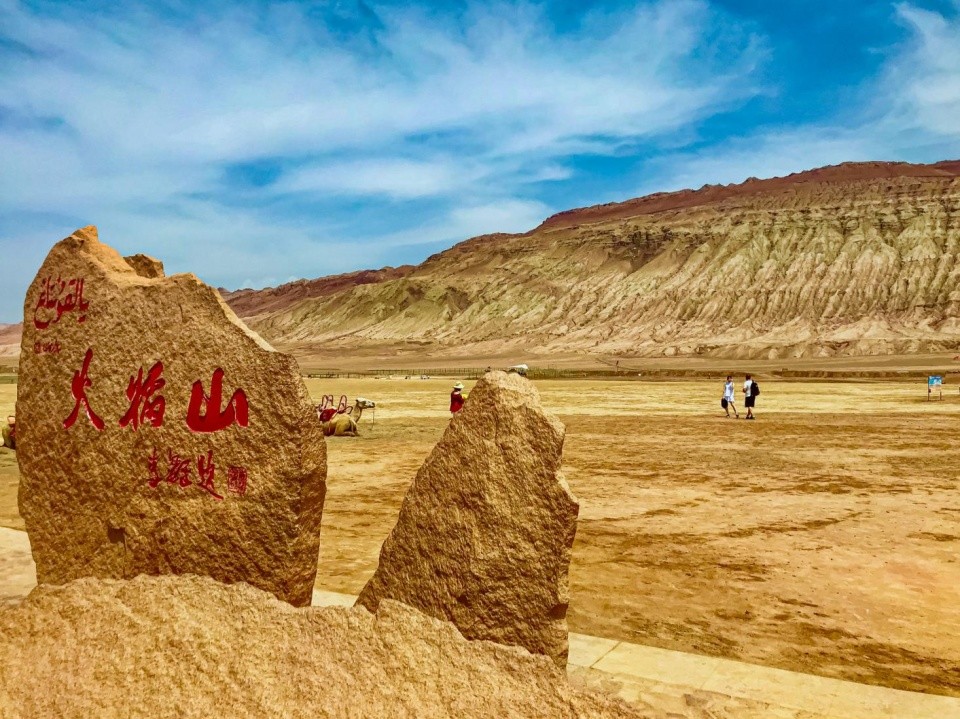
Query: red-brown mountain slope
{"points": [[854, 259]]}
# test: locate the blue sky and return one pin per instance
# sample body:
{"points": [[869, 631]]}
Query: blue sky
{"points": [[255, 143]]}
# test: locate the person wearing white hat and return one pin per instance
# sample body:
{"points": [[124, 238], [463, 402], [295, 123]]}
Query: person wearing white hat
{"points": [[456, 398]]}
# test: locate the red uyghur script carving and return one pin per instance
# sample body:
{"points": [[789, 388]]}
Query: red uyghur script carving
{"points": [[145, 408], [79, 389], [152, 466], [178, 469], [51, 348], [237, 480], [206, 469], [53, 302], [213, 418]]}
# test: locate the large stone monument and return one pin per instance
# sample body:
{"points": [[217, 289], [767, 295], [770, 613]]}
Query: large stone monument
{"points": [[157, 434], [484, 534]]}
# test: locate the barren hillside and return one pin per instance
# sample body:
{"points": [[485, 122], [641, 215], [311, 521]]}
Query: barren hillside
{"points": [[857, 259], [10, 341], [854, 259]]}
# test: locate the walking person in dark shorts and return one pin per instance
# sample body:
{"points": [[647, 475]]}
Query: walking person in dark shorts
{"points": [[750, 391]]}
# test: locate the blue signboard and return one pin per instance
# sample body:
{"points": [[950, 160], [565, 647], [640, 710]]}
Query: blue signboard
{"points": [[934, 381]]}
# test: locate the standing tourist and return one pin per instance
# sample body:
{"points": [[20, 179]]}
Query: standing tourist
{"points": [[456, 398], [750, 391], [727, 401]]}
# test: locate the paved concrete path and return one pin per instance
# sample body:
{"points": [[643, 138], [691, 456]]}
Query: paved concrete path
{"points": [[667, 683]]}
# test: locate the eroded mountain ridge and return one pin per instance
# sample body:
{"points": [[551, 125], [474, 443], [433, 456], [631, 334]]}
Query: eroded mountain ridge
{"points": [[854, 259]]}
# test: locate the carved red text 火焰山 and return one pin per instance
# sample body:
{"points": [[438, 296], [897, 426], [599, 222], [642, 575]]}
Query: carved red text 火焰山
{"points": [[214, 418], [79, 389], [144, 406]]}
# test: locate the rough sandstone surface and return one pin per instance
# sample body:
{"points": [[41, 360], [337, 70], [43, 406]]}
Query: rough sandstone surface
{"points": [[485, 531], [132, 459], [192, 647]]}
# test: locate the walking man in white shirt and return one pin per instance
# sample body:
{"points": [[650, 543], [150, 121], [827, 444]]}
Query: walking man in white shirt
{"points": [[749, 396], [727, 402]]}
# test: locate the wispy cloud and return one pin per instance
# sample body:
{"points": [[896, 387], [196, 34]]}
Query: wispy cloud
{"points": [[147, 121], [150, 89], [922, 84], [909, 112], [251, 142]]}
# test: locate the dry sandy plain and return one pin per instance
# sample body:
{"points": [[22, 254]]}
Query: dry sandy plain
{"points": [[824, 537]]}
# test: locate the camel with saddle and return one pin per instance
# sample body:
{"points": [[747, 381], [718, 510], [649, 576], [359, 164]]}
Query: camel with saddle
{"points": [[340, 420]]}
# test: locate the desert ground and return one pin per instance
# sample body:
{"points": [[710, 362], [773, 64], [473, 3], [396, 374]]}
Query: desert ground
{"points": [[823, 537]]}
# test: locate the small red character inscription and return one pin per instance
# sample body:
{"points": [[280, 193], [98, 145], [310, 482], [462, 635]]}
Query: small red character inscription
{"points": [[237, 480], [178, 469], [144, 407], [79, 389], [154, 479], [46, 347], [206, 469], [213, 419]]}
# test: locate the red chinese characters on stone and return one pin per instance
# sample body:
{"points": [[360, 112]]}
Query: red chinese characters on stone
{"points": [[179, 473], [79, 389], [213, 418], [52, 304], [145, 408], [178, 469], [206, 469], [237, 480], [152, 466]]}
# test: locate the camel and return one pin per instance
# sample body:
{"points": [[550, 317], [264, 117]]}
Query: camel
{"points": [[10, 433], [344, 424]]}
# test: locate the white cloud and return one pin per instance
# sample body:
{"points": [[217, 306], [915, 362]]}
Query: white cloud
{"points": [[770, 154], [910, 112], [470, 220], [393, 177], [922, 85], [136, 120], [142, 96]]}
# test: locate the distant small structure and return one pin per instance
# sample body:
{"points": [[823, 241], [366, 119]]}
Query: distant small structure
{"points": [[520, 369]]}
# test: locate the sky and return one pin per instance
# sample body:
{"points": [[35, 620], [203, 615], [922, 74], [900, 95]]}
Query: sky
{"points": [[255, 143]]}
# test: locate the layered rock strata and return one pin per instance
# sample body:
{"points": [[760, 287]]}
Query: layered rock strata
{"points": [[850, 260]]}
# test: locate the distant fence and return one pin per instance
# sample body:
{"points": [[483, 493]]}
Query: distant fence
{"points": [[650, 374], [469, 373]]}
